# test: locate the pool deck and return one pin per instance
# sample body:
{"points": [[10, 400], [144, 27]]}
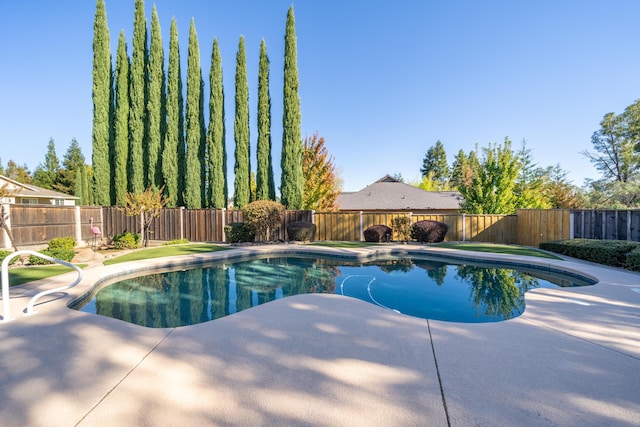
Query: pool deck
{"points": [[572, 359]]}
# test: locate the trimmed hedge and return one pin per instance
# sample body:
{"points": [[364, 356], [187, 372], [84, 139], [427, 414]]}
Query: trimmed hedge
{"points": [[301, 231], [62, 243], [608, 252], [427, 231], [633, 260], [238, 232], [377, 233], [58, 253]]}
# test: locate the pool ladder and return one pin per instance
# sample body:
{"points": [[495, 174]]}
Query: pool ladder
{"points": [[6, 316]]}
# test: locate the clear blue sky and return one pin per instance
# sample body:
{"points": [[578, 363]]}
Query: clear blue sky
{"points": [[381, 81]]}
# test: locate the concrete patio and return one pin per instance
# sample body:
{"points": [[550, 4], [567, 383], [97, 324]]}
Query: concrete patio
{"points": [[572, 359]]}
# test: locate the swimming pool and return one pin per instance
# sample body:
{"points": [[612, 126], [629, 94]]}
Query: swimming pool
{"points": [[440, 288]]}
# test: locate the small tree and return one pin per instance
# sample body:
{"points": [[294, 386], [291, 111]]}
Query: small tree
{"points": [[148, 204], [264, 217]]}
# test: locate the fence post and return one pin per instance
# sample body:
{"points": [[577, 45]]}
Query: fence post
{"points": [[571, 225], [361, 228], [181, 222], [6, 210], [78, 221], [223, 222], [464, 228], [628, 225], [604, 225]]}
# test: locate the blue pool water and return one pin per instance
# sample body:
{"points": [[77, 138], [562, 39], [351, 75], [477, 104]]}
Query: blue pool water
{"points": [[427, 288]]}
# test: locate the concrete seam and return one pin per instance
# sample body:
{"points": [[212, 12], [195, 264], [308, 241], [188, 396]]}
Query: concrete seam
{"points": [[435, 360], [123, 378]]}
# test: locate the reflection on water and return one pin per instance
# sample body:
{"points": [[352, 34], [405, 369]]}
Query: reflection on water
{"points": [[417, 287]]}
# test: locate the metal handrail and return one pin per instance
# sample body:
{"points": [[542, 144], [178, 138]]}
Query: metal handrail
{"points": [[6, 316]]}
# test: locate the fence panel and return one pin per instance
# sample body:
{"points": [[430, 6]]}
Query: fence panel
{"points": [[537, 225], [36, 225], [340, 226], [117, 222], [454, 222], [607, 224], [203, 225]]}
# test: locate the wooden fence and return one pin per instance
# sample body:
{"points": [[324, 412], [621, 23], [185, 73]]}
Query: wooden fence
{"points": [[606, 224], [36, 225]]}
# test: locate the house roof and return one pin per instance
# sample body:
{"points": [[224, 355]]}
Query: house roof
{"points": [[32, 191], [390, 194]]}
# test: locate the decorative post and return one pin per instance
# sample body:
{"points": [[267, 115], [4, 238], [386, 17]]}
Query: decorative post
{"points": [[78, 223]]}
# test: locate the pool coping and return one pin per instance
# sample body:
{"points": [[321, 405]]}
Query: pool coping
{"points": [[594, 328]]}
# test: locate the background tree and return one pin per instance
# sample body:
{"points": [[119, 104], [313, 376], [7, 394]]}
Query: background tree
{"points": [[102, 108], [265, 185], [18, 173], [156, 105], [530, 185], [434, 164], [194, 143], [492, 189], [72, 162], [242, 168], [81, 189], [615, 156], [121, 125], [45, 174], [216, 134], [138, 96], [292, 181], [321, 187], [560, 192], [173, 157]]}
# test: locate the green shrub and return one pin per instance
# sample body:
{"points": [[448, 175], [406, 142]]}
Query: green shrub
{"points": [[264, 218], [126, 241], [4, 254], [633, 260], [377, 233], [62, 243], [301, 231], [429, 231], [58, 253], [607, 252], [237, 232], [176, 242], [402, 228]]}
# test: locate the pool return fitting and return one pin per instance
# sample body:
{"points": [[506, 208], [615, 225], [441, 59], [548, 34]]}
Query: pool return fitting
{"points": [[6, 316]]}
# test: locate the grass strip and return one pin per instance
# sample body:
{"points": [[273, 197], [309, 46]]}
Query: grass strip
{"points": [[332, 244], [18, 276], [163, 251], [495, 248]]}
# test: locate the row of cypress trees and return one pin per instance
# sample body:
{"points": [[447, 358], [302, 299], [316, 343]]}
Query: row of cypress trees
{"points": [[146, 136]]}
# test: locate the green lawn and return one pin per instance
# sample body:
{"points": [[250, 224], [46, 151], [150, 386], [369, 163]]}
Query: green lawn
{"points": [[162, 251], [495, 248], [332, 244], [18, 276]]}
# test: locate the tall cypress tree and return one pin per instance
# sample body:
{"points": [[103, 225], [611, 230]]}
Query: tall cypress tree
{"points": [[193, 172], [292, 182], [265, 186], [242, 169], [217, 188], [121, 127], [138, 100], [173, 157], [101, 95], [156, 111]]}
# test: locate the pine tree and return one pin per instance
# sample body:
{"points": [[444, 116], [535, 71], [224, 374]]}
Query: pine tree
{"points": [[67, 175], [292, 183], [173, 157], [156, 105], [242, 169], [435, 164], [45, 174], [101, 95], [217, 188], [121, 137], [265, 185], [138, 95], [194, 143]]}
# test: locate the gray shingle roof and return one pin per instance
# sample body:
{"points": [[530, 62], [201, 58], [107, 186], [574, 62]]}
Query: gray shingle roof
{"points": [[390, 194], [32, 191]]}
